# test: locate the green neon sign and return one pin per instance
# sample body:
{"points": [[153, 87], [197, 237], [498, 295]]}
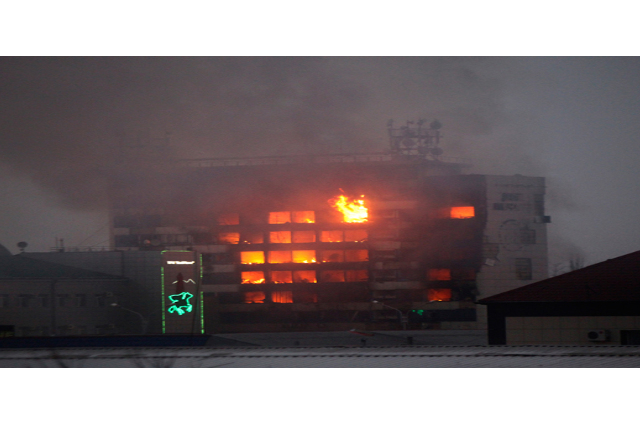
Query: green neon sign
{"points": [[180, 303]]}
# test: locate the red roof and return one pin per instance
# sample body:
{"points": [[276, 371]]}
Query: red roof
{"points": [[617, 279]]}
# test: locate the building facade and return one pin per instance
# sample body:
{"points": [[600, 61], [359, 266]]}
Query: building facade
{"points": [[277, 255]]}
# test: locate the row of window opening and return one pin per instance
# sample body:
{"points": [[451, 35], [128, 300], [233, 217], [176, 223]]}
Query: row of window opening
{"points": [[304, 256], [296, 236], [304, 276]]}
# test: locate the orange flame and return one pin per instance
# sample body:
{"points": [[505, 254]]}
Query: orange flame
{"points": [[353, 211]]}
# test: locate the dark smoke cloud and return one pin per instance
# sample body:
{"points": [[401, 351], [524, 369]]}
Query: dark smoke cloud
{"points": [[70, 123]]}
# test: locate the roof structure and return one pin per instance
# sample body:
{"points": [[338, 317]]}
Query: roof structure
{"points": [[617, 279], [22, 267]]}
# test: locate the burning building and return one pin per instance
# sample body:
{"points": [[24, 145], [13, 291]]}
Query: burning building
{"points": [[403, 239]]}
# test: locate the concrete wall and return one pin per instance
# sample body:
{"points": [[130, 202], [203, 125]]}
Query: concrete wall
{"points": [[567, 330]]}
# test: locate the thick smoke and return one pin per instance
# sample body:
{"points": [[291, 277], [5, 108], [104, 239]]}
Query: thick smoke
{"points": [[71, 123]]}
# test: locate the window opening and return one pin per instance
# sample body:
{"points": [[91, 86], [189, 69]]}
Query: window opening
{"points": [[254, 297], [463, 212], [304, 236], [252, 237], [356, 235], [252, 257], [304, 276], [277, 257], [280, 237], [332, 275], [279, 217], [253, 277], [281, 277], [439, 294], [306, 256], [356, 255], [304, 217], [229, 238], [283, 297], [332, 256], [228, 219], [331, 236], [439, 274]]}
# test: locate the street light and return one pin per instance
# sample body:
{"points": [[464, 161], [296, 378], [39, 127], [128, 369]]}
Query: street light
{"points": [[403, 319], [145, 322]]}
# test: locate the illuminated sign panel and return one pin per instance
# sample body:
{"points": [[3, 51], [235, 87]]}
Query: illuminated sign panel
{"points": [[181, 294]]}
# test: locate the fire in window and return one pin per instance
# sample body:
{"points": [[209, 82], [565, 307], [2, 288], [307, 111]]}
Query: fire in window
{"points": [[439, 274], [253, 277], [331, 236], [252, 257], [281, 277], [439, 294], [306, 256], [332, 256], [229, 238], [463, 212], [252, 237], [304, 216], [283, 297], [280, 217], [356, 255], [304, 236], [355, 235], [228, 219], [254, 297], [304, 276], [332, 275], [278, 257], [357, 275], [280, 237]]}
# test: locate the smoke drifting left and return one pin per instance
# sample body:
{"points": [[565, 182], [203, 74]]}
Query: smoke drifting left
{"points": [[70, 123]]}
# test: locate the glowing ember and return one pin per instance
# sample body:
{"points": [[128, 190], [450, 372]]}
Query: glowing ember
{"points": [[353, 211]]}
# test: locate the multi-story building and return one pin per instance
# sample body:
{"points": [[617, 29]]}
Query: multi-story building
{"points": [[277, 254]]}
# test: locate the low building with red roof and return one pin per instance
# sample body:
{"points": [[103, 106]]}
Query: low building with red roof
{"points": [[598, 304]]}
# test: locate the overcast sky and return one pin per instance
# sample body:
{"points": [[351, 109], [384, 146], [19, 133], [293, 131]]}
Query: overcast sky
{"points": [[66, 122]]}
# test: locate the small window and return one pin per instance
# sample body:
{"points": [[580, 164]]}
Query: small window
{"points": [[332, 256], [439, 294], [278, 257], [331, 236], [252, 238], [304, 236], [523, 269], [229, 238], [81, 300], [463, 212], [332, 275], [306, 256], [358, 255], [304, 276], [357, 275], [282, 297], [281, 277], [252, 257], [256, 297], [280, 237], [280, 217], [439, 274], [304, 217], [511, 197], [253, 277], [228, 219], [356, 235]]}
